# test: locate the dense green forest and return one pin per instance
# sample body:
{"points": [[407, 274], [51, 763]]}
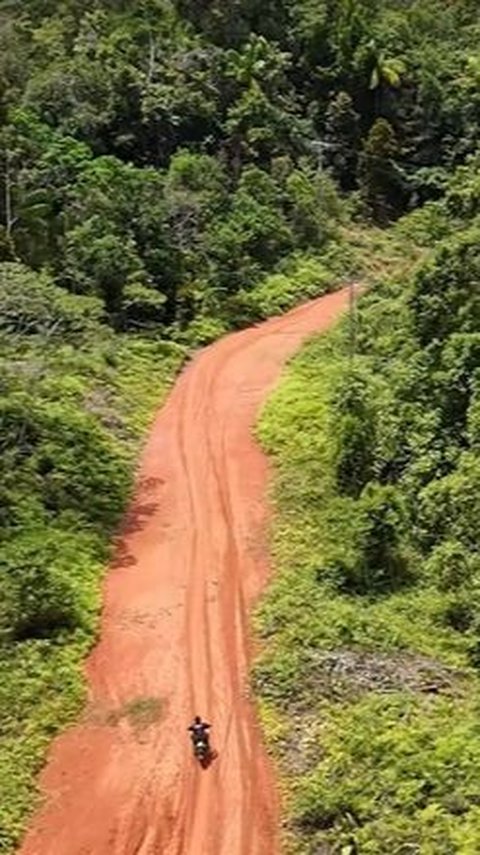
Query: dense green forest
{"points": [[173, 170]]}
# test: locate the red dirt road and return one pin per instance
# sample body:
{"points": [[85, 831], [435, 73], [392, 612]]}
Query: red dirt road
{"points": [[191, 560]]}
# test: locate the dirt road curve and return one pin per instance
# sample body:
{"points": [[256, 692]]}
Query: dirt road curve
{"points": [[191, 560]]}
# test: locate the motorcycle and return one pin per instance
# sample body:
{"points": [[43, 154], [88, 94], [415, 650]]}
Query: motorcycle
{"points": [[201, 750]]}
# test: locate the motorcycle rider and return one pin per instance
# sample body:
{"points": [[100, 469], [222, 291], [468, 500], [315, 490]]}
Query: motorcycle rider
{"points": [[199, 731]]}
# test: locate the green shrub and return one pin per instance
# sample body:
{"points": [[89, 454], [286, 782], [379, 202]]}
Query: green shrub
{"points": [[30, 304], [450, 565], [303, 279], [425, 225], [371, 561], [449, 507], [354, 429], [445, 296]]}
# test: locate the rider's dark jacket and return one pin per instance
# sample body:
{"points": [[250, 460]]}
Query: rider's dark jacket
{"points": [[199, 731]]}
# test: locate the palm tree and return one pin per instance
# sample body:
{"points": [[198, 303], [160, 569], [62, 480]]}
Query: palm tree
{"points": [[258, 60], [387, 73]]}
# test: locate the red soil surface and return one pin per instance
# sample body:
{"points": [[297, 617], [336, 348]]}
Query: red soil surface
{"points": [[190, 562]]}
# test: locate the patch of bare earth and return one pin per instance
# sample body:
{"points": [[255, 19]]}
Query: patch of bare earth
{"points": [[342, 676], [340, 673]]}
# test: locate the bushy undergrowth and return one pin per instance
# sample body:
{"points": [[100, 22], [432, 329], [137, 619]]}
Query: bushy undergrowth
{"points": [[377, 532], [75, 400]]}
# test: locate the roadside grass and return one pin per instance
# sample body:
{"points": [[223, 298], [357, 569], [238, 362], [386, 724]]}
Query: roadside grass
{"points": [[140, 713], [354, 252], [105, 393], [369, 702]]}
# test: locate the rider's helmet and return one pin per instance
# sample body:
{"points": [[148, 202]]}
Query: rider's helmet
{"points": [[198, 719]]}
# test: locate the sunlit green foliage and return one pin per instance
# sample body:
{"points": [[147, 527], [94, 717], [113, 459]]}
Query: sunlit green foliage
{"points": [[373, 626]]}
